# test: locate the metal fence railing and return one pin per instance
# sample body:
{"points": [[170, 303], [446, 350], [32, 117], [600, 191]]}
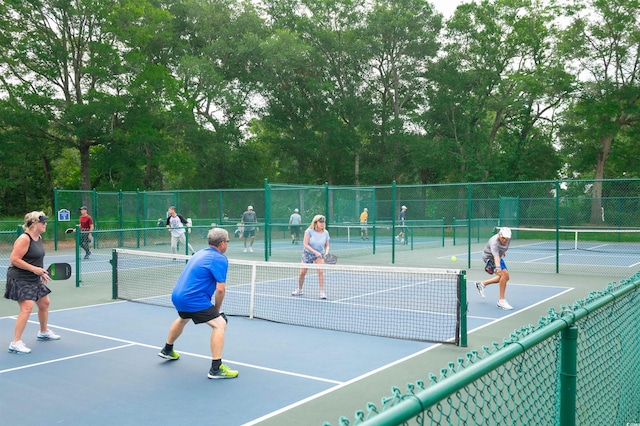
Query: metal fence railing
{"points": [[580, 366]]}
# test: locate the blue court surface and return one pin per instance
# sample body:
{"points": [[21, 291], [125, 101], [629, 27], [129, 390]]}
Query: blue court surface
{"points": [[105, 369]]}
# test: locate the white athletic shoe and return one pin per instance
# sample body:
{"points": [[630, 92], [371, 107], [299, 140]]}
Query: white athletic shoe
{"points": [[503, 304], [323, 296], [18, 348], [480, 287], [48, 335], [244, 251], [297, 292], [251, 249]]}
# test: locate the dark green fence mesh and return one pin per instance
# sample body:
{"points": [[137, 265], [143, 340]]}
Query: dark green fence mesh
{"points": [[577, 366]]}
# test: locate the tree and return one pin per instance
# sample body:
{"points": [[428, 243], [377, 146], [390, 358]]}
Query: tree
{"points": [[493, 96], [603, 43]]}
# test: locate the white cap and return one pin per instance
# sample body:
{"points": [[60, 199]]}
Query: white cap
{"points": [[250, 208], [505, 232], [366, 210], [295, 210], [404, 207]]}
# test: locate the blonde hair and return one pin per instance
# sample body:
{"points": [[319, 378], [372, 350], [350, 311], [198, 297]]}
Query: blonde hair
{"points": [[31, 218], [315, 219]]}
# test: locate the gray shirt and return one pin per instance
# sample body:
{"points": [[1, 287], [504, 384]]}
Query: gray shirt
{"points": [[495, 248], [249, 217], [295, 219]]}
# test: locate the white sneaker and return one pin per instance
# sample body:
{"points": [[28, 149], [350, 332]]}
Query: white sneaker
{"points": [[323, 296], [503, 304], [480, 287], [18, 348], [244, 251], [251, 249], [48, 335], [297, 292]]}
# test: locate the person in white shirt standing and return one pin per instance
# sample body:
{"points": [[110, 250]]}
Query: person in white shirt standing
{"points": [[176, 224]]}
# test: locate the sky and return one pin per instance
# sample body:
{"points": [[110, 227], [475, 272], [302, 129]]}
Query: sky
{"points": [[447, 7]]}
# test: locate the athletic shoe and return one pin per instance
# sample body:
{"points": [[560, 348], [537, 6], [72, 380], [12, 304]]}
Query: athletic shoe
{"points": [[251, 249], [223, 372], [503, 304], [173, 355], [323, 296], [244, 251], [86, 256], [480, 287], [297, 292], [18, 348], [48, 335], [397, 237]]}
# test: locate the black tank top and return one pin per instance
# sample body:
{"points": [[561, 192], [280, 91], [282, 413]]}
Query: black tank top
{"points": [[34, 256]]}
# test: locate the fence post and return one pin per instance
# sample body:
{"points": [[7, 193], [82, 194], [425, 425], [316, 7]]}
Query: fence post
{"points": [[568, 372], [393, 222]]}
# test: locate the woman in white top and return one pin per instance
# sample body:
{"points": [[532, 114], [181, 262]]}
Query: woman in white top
{"points": [[316, 246]]}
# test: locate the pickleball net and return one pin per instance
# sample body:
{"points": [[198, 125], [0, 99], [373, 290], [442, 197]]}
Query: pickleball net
{"points": [[622, 241], [423, 304]]}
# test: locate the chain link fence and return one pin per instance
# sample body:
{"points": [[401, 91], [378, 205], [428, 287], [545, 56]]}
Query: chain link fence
{"points": [[578, 366]]}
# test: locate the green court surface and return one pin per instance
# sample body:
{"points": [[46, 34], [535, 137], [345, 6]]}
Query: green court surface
{"points": [[344, 400]]}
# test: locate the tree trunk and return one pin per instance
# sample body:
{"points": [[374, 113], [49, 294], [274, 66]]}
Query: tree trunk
{"points": [[596, 203], [85, 165]]}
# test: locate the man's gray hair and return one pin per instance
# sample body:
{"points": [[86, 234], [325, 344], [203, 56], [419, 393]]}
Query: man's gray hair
{"points": [[216, 236]]}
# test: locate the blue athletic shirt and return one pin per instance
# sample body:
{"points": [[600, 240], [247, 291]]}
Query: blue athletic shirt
{"points": [[197, 283]]}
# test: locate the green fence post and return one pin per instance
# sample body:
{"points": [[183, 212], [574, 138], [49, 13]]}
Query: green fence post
{"points": [[393, 222], [267, 220], [557, 227], [568, 373], [55, 219], [120, 219], [114, 274], [464, 308], [469, 216], [374, 215]]}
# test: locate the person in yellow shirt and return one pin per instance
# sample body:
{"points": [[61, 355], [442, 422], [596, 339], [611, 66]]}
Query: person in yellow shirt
{"points": [[364, 217]]}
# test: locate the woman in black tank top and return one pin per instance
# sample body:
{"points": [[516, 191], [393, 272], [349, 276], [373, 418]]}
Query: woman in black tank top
{"points": [[26, 281]]}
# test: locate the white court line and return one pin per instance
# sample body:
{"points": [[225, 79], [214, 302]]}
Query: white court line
{"points": [[129, 343], [62, 359]]}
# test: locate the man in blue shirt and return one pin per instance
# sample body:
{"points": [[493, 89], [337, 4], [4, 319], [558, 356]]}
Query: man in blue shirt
{"points": [[204, 274]]}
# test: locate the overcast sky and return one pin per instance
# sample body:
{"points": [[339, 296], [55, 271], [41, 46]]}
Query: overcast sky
{"points": [[447, 7]]}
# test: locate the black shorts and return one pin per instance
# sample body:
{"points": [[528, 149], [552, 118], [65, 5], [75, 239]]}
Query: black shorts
{"points": [[248, 234], [199, 317], [295, 229]]}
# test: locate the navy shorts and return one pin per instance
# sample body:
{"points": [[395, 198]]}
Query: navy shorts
{"points": [[199, 317]]}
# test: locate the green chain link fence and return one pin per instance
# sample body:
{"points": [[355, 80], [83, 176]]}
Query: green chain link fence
{"points": [[579, 366], [441, 219]]}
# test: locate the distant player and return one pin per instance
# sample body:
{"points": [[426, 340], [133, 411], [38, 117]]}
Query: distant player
{"points": [[364, 217], [295, 221], [402, 236], [249, 220], [176, 224]]}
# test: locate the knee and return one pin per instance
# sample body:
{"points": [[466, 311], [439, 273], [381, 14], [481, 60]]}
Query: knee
{"points": [[43, 304]]}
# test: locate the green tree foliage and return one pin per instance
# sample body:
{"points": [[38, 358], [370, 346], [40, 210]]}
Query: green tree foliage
{"points": [[152, 95], [604, 45]]}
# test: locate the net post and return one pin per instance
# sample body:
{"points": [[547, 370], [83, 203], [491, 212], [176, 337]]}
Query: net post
{"points": [[463, 308], [252, 299], [78, 235], [114, 274]]}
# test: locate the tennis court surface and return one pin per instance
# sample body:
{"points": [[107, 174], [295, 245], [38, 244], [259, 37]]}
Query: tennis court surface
{"points": [[105, 369]]}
